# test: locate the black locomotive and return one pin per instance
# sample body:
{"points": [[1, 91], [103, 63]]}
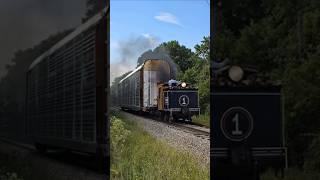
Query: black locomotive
{"points": [[178, 101], [247, 116]]}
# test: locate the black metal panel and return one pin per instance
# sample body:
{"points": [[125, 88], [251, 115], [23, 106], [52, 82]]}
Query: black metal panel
{"points": [[247, 129], [265, 123], [183, 98]]}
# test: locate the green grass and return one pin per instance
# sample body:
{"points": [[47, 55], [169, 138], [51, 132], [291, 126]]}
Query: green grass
{"points": [[137, 155], [9, 176], [203, 119], [11, 166], [292, 174]]}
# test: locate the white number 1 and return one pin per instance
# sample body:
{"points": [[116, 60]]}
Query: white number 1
{"points": [[235, 119], [184, 100]]}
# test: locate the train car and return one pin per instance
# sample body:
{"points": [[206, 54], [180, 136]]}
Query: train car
{"points": [[138, 90], [147, 89], [67, 90], [177, 101]]}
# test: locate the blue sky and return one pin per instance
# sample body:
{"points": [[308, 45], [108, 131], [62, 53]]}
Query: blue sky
{"points": [[139, 25]]}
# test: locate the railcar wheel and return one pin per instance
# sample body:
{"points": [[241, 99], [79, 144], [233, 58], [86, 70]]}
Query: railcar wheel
{"points": [[171, 119]]}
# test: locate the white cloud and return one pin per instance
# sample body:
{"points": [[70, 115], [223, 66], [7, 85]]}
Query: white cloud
{"points": [[167, 18], [153, 41], [117, 69], [125, 53], [146, 35]]}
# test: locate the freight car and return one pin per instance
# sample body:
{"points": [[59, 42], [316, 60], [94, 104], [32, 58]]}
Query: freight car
{"points": [[67, 90], [150, 88]]}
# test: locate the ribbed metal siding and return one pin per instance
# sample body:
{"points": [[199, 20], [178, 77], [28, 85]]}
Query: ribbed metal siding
{"points": [[129, 92], [62, 92]]}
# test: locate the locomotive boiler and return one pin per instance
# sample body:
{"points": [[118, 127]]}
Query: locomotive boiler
{"points": [[151, 88]]}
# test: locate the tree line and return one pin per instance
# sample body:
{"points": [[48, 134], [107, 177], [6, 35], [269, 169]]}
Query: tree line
{"points": [[281, 39]]}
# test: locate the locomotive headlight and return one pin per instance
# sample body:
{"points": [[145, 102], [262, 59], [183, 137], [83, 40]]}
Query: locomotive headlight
{"points": [[184, 84], [236, 73]]}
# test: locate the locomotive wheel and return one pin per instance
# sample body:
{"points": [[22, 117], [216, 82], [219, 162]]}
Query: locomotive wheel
{"points": [[171, 119], [166, 117], [162, 115]]}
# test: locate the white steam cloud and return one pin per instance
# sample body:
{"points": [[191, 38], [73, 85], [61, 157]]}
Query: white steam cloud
{"points": [[128, 52]]}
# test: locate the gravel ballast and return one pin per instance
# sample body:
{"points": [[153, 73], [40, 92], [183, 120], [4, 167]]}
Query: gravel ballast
{"points": [[175, 137]]}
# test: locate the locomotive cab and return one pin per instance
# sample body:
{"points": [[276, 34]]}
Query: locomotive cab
{"points": [[177, 101]]}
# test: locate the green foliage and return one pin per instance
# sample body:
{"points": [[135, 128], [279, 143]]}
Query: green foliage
{"points": [[198, 73], [312, 159], [118, 135], [302, 94], [179, 54], [15, 167], [281, 39], [199, 76], [203, 50], [9, 176], [144, 157], [235, 15], [203, 119]]}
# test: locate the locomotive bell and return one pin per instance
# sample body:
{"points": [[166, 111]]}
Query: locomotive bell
{"points": [[236, 73]]}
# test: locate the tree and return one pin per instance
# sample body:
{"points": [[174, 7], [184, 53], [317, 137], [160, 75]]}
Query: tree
{"points": [[170, 51], [281, 39], [199, 72], [178, 53]]}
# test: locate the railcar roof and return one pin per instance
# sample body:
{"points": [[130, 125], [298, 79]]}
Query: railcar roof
{"points": [[92, 21], [137, 69]]}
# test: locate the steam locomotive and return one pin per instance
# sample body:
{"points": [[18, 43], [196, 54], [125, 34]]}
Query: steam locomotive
{"points": [[151, 88]]}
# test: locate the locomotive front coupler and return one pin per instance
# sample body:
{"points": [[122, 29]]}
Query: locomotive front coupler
{"points": [[241, 158], [186, 113]]}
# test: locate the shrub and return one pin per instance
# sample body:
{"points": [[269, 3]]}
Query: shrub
{"points": [[118, 138]]}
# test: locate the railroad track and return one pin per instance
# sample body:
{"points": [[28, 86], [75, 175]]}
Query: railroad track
{"points": [[196, 130], [17, 144]]}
